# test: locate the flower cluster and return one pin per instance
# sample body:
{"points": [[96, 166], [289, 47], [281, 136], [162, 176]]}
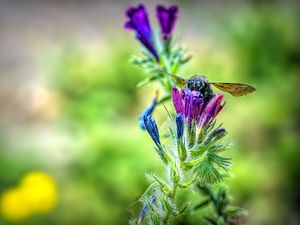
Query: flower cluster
{"points": [[190, 104], [193, 111], [139, 23]]}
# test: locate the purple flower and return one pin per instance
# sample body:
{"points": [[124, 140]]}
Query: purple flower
{"points": [[177, 101], [167, 18], [139, 22], [188, 103], [193, 103], [212, 109]]}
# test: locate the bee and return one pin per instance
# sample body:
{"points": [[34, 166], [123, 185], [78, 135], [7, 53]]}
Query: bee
{"points": [[201, 84]]}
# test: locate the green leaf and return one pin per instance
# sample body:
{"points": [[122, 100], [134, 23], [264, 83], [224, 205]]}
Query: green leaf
{"points": [[210, 220], [201, 204], [220, 161], [186, 59], [207, 173], [199, 150], [147, 81], [182, 210]]}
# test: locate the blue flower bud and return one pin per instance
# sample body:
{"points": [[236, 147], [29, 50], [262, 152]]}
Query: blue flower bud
{"points": [[217, 134], [147, 112], [179, 124], [151, 128]]}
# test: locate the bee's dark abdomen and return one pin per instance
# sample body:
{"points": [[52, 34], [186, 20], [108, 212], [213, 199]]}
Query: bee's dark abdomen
{"points": [[208, 95]]}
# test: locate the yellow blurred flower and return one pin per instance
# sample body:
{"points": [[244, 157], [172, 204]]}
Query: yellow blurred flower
{"points": [[14, 205], [37, 193]]}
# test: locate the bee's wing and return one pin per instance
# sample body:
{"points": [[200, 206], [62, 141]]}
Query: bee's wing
{"points": [[178, 80], [236, 89]]}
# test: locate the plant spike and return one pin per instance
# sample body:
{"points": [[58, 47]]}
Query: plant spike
{"points": [[194, 156]]}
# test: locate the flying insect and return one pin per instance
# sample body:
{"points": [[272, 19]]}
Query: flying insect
{"points": [[200, 83]]}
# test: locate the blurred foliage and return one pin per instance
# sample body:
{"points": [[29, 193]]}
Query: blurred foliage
{"points": [[98, 106], [93, 86]]}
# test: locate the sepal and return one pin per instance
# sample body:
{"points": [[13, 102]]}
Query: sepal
{"points": [[175, 174], [163, 186], [147, 205], [182, 152], [190, 133], [187, 184], [164, 156]]}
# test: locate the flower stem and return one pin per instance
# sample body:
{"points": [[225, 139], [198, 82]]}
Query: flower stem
{"points": [[173, 197]]}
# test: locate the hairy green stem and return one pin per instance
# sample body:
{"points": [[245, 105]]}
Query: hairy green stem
{"points": [[172, 196]]}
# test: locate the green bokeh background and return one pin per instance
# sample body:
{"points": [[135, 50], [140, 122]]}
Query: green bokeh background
{"points": [[80, 123]]}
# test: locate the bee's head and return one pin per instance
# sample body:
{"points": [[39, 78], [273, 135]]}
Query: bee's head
{"points": [[200, 84], [197, 83]]}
